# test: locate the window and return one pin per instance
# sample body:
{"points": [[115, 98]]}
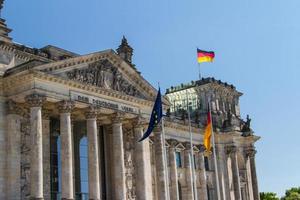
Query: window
{"points": [[55, 160], [179, 191], [178, 160], [55, 167], [83, 154], [206, 163]]}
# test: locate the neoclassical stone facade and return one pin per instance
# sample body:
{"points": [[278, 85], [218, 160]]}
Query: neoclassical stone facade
{"points": [[69, 126]]}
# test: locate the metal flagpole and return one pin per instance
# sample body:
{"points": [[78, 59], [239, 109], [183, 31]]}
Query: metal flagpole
{"points": [[199, 71], [192, 150], [215, 156], [165, 157]]}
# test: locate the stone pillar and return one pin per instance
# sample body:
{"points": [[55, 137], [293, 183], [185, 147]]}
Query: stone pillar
{"points": [[251, 155], [119, 171], [46, 154], [13, 150], [35, 102], [189, 195], [202, 191], [160, 165], [93, 161], [65, 108], [174, 194], [232, 152], [142, 163]]}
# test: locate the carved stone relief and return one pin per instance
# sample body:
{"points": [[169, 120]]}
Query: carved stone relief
{"points": [[25, 159], [103, 74], [128, 157]]}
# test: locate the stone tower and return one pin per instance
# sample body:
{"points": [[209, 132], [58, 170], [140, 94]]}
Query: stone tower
{"points": [[125, 51], [4, 30]]}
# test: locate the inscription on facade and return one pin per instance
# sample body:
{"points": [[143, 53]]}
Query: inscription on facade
{"points": [[103, 103]]}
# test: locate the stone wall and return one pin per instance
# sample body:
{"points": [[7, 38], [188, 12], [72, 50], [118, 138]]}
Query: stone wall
{"points": [[2, 148]]}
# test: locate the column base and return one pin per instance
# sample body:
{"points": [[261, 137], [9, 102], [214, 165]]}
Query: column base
{"points": [[66, 199], [34, 198]]}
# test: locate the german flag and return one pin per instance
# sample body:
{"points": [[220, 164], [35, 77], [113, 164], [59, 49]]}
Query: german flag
{"points": [[205, 56], [208, 133]]}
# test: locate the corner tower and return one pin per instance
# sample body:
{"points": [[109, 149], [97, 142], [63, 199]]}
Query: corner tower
{"points": [[4, 30], [125, 51]]}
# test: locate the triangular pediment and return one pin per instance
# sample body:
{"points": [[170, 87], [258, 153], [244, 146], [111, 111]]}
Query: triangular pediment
{"points": [[104, 74], [105, 70]]}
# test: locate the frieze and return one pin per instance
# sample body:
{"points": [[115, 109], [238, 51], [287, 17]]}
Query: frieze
{"points": [[103, 74], [103, 103]]}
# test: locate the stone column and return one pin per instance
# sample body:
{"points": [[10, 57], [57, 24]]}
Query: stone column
{"points": [[160, 165], [188, 171], [232, 152], [174, 194], [202, 191], [93, 161], [142, 163], [46, 153], [35, 102], [65, 108], [119, 171], [251, 155], [13, 151]]}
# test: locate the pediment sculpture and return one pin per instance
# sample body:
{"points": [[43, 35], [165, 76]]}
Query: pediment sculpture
{"points": [[103, 74]]}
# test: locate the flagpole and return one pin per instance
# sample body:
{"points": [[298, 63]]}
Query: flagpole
{"points": [[165, 157], [192, 151], [215, 156], [199, 66]]}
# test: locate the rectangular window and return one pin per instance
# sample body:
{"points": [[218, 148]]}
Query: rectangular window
{"points": [[178, 160], [195, 165], [206, 163]]}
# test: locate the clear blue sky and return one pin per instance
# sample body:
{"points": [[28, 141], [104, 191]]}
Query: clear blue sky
{"points": [[257, 45]]}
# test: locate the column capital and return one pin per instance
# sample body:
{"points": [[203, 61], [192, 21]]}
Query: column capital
{"points": [[91, 112], [172, 142], [66, 106], [46, 114], [117, 117], [12, 107], [202, 148], [157, 128], [139, 122], [35, 100], [250, 152], [187, 146], [230, 149]]}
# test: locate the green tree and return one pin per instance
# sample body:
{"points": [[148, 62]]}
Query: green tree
{"points": [[292, 194], [268, 196]]}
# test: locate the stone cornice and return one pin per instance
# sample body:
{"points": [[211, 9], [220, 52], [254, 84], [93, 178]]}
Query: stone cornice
{"points": [[21, 54], [124, 67], [14, 81], [182, 127]]}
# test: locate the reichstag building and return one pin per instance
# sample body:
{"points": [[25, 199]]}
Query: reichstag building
{"points": [[69, 126]]}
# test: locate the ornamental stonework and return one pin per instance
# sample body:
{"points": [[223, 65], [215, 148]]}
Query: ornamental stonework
{"points": [[25, 159], [66, 106], [35, 100], [128, 158], [103, 74]]}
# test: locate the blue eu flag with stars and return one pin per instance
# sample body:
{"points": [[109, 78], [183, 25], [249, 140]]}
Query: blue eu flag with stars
{"points": [[156, 116]]}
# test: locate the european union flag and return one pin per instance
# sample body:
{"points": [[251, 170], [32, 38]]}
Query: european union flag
{"points": [[155, 116]]}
